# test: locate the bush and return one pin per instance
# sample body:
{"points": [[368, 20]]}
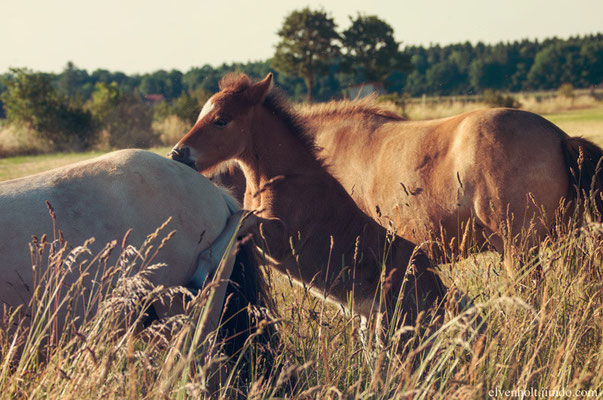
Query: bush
{"points": [[186, 107], [31, 100], [21, 140], [566, 90], [171, 129], [495, 99], [125, 120]]}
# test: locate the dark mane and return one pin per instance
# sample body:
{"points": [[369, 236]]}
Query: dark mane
{"points": [[276, 102]]}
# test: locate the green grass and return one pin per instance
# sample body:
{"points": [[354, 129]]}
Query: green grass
{"points": [[586, 115], [587, 123], [19, 166]]}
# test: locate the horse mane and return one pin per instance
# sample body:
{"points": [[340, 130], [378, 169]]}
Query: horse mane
{"points": [[277, 103], [366, 107]]}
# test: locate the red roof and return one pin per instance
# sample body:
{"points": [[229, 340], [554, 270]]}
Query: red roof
{"points": [[154, 97]]}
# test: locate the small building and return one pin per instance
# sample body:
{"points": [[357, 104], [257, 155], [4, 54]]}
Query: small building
{"points": [[154, 98], [364, 89]]}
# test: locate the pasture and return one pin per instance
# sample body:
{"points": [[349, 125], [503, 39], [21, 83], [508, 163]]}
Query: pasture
{"points": [[541, 332]]}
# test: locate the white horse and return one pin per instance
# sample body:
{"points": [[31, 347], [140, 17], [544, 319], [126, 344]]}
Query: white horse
{"points": [[130, 189]]}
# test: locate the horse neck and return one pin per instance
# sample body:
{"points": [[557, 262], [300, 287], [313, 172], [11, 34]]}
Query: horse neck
{"points": [[284, 182], [275, 152]]}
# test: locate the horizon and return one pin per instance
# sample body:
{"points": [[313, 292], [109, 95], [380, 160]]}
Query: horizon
{"points": [[262, 60], [141, 37]]}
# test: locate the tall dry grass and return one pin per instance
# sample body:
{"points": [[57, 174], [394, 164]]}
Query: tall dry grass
{"points": [[171, 129], [534, 328], [557, 104], [83, 333], [17, 140], [430, 108]]}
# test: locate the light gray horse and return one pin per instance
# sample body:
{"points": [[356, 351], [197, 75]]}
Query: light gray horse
{"points": [[131, 189]]}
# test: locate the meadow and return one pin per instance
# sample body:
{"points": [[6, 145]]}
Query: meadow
{"points": [[536, 330]]}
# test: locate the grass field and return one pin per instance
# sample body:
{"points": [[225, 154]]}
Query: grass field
{"points": [[587, 123], [536, 330], [17, 167], [581, 122]]}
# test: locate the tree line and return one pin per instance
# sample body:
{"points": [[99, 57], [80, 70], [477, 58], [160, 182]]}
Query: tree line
{"points": [[313, 60]]}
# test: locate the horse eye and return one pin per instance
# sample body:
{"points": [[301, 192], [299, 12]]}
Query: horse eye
{"points": [[221, 122]]}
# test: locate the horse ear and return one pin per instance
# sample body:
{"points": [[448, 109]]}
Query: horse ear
{"points": [[257, 92]]}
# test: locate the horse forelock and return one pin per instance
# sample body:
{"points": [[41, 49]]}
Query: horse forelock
{"points": [[234, 82]]}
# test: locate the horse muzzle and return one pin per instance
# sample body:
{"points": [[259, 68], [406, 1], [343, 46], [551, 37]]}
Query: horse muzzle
{"points": [[182, 155]]}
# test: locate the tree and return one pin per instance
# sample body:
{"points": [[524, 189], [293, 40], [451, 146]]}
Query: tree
{"points": [[560, 62], [443, 78], [186, 107], [71, 81], [125, 119], [308, 43], [371, 52]]}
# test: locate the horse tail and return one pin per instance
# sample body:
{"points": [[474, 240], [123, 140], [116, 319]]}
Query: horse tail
{"points": [[584, 160], [249, 311]]}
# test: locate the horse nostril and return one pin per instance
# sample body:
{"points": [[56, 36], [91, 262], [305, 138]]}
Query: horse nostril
{"points": [[174, 154], [182, 155], [179, 154]]}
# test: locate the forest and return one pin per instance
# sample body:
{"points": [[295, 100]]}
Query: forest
{"points": [[313, 61], [456, 69]]}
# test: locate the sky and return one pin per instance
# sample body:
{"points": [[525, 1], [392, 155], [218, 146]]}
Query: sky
{"points": [[139, 36]]}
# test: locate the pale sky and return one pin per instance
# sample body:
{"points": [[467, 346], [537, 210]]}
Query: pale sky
{"points": [[137, 36]]}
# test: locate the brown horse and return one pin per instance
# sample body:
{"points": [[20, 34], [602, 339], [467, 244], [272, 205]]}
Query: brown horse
{"points": [[500, 168], [429, 178], [311, 226]]}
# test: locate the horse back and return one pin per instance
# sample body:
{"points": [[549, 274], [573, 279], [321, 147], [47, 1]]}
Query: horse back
{"points": [[103, 198]]}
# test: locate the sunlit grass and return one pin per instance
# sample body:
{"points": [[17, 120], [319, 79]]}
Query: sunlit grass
{"points": [[539, 328], [19, 166], [584, 115]]}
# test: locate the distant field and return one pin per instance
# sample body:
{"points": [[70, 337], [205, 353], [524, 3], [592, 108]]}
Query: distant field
{"points": [[16, 167], [587, 123], [584, 122]]}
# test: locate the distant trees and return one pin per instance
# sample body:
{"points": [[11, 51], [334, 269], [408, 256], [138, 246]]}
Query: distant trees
{"points": [[168, 84], [521, 65], [30, 99], [33, 100], [76, 109], [186, 107], [370, 50], [123, 119], [567, 62], [307, 47], [311, 48]]}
